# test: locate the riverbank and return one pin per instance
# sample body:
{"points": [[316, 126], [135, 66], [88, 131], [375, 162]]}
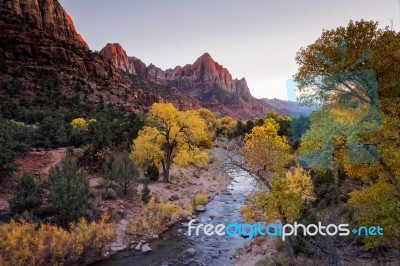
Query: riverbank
{"points": [[181, 190], [176, 247]]}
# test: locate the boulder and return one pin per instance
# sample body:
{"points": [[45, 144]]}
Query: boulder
{"points": [[191, 251], [138, 246], [146, 248], [117, 247], [200, 208]]}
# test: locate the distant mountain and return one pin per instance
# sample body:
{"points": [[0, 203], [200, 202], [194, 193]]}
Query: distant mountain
{"points": [[205, 79], [289, 107], [44, 61]]}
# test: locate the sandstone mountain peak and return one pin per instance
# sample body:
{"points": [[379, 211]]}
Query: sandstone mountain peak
{"points": [[205, 79], [203, 75], [46, 15], [117, 55]]}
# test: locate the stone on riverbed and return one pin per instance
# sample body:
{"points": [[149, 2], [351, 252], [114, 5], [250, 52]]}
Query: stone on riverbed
{"points": [[146, 248], [200, 208], [191, 251], [138, 246], [117, 247]]}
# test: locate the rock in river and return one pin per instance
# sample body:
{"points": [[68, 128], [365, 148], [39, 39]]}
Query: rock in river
{"points": [[200, 208], [191, 251]]}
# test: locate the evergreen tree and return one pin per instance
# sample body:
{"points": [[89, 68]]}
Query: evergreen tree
{"points": [[146, 192], [69, 189], [122, 175], [28, 195], [6, 147], [152, 172]]}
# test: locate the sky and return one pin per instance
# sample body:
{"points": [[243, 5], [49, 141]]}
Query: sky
{"points": [[255, 39]]}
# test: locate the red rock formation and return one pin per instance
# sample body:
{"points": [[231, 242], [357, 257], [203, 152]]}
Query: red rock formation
{"points": [[117, 55], [206, 74], [47, 15]]}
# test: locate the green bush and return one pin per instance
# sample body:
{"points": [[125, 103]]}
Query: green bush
{"points": [[69, 189], [122, 175], [27, 195], [6, 147], [152, 173], [146, 192]]}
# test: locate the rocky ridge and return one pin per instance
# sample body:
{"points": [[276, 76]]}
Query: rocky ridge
{"points": [[205, 79], [42, 57], [41, 54]]}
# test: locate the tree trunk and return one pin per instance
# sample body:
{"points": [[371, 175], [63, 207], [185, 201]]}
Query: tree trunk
{"points": [[167, 167], [290, 248]]}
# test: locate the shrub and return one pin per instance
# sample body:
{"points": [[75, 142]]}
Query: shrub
{"points": [[79, 123], [109, 194], [152, 172], [155, 217], [122, 174], [201, 199], [146, 192], [22, 243], [6, 147], [28, 195], [69, 189]]}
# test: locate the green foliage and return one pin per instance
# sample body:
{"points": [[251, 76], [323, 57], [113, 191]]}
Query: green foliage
{"points": [[27, 195], [284, 123], [69, 189], [152, 173], [6, 147], [325, 188], [146, 192], [377, 201], [299, 126], [52, 133], [109, 194], [378, 204], [122, 175]]}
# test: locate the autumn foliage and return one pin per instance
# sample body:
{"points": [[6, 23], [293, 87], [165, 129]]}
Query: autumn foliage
{"points": [[172, 136], [23, 243]]}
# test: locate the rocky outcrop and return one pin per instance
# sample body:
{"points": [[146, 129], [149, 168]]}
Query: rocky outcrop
{"points": [[205, 80], [48, 16], [140, 67], [117, 56], [42, 55], [203, 75]]}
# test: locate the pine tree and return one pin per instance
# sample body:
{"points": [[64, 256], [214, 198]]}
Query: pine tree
{"points": [[28, 195], [152, 172], [122, 175], [146, 192], [69, 189]]}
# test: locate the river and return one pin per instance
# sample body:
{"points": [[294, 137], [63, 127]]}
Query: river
{"points": [[171, 248]]}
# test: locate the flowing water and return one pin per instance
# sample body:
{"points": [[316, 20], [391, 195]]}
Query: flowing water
{"points": [[211, 250]]}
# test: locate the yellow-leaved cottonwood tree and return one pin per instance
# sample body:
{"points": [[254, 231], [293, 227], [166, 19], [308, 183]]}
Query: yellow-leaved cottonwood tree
{"points": [[265, 152], [174, 137], [378, 201]]}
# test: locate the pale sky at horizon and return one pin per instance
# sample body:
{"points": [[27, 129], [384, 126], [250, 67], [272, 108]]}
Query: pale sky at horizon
{"points": [[255, 39]]}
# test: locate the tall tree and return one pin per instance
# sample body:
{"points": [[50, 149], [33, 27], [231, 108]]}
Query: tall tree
{"points": [[174, 137], [265, 152], [346, 52]]}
